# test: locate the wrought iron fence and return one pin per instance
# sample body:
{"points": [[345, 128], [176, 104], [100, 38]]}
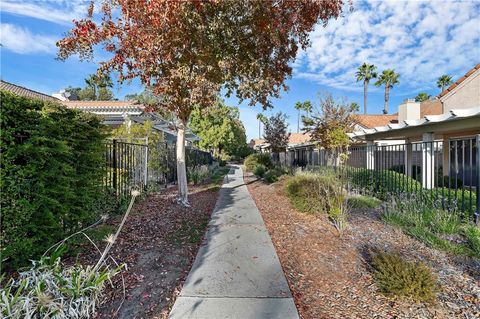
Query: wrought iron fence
{"points": [[446, 174], [137, 166]]}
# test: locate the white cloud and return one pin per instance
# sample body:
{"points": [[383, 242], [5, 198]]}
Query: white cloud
{"points": [[21, 40], [56, 11], [419, 39]]}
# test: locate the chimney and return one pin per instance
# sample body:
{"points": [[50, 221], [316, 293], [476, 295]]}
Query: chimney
{"points": [[409, 110]]}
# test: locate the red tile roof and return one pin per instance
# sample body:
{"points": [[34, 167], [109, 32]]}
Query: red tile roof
{"points": [[374, 120], [297, 138], [454, 85], [256, 141], [23, 91], [97, 104]]}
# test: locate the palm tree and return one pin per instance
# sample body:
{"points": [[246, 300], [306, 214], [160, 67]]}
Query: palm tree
{"points": [[444, 81], [366, 72], [261, 119], [302, 106], [388, 78], [96, 82], [422, 97]]}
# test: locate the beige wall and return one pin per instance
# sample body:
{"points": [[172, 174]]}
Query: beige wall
{"points": [[466, 95]]}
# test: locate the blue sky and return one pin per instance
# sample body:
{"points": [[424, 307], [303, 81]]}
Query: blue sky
{"points": [[421, 40]]}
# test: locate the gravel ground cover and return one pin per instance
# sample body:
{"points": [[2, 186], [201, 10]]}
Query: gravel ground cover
{"points": [[329, 274]]}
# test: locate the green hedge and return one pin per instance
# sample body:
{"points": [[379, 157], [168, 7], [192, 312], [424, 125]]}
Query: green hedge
{"points": [[253, 160], [381, 182], [52, 164]]}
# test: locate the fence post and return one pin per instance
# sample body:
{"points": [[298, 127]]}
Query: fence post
{"points": [[146, 165], [371, 155], [477, 211], [408, 158], [427, 154], [114, 164]]}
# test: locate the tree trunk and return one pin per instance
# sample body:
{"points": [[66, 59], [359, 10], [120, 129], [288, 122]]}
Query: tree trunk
{"points": [[259, 129], [365, 88], [385, 106], [298, 122], [181, 166]]}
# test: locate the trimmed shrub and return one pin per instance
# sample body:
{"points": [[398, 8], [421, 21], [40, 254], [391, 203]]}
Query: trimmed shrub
{"points": [[400, 278], [259, 170], [381, 182], [271, 176], [253, 160], [52, 166]]}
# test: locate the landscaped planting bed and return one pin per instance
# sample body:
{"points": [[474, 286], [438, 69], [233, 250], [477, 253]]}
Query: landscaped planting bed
{"points": [[332, 275], [158, 244]]}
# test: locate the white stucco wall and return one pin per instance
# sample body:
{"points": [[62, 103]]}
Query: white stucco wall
{"points": [[465, 95]]}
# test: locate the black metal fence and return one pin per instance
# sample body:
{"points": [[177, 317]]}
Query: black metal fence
{"points": [[134, 166], [446, 174]]}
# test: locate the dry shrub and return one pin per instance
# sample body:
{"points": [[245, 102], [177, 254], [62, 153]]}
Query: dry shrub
{"points": [[400, 278], [319, 193]]}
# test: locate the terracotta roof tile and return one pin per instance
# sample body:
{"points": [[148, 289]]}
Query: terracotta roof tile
{"points": [[454, 85], [297, 138], [256, 141], [23, 91], [100, 104], [374, 120]]}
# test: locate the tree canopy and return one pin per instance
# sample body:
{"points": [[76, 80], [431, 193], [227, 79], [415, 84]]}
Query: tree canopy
{"points": [[330, 123], [97, 88], [220, 129], [276, 132], [187, 51]]}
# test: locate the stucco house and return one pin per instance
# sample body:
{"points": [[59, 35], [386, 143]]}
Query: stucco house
{"points": [[443, 137]]}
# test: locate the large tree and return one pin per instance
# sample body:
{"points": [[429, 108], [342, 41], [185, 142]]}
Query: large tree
{"points": [[261, 119], [330, 123], [302, 106], [422, 97], [388, 78], [365, 73], [188, 50], [444, 81], [219, 128], [276, 132]]}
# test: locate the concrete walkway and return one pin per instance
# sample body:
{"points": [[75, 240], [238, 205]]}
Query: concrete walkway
{"points": [[236, 273]]}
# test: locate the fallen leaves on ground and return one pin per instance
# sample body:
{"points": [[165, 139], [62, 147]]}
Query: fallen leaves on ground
{"points": [[329, 276], [158, 250]]}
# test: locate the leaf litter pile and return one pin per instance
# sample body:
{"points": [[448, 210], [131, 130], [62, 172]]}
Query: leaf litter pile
{"points": [[329, 275], [158, 244]]}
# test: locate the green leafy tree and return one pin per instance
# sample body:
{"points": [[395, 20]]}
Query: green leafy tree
{"points": [[219, 128], [261, 119], [422, 97], [388, 78], [329, 125], [188, 51], [276, 132], [444, 81], [365, 73], [302, 106]]}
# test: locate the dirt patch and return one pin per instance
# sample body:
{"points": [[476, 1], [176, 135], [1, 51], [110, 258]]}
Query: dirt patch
{"points": [[158, 249], [329, 274]]}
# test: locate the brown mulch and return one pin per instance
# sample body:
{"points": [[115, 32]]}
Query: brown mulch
{"points": [[158, 249], [329, 274]]}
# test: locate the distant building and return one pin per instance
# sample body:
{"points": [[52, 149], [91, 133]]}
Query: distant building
{"points": [[113, 113]]}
